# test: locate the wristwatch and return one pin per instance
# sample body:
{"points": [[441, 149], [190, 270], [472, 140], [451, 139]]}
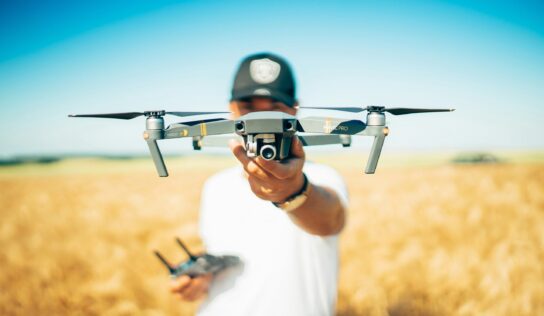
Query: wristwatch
{"points": [[296, 200]]}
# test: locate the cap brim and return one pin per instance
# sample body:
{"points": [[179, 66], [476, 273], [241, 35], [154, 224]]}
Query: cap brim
{"points": [[254, 92]]}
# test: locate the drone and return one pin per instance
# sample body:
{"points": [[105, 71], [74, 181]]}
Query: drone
{"points": [[198, 265], [268, 134]]}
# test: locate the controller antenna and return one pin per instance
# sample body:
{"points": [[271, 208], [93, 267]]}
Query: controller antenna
{"points": [[165, 262], [182, 245]]}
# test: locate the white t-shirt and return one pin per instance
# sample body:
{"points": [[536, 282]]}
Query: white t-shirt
{"points": [[284, 270]]}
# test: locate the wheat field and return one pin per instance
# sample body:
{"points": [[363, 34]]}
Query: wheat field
{"points": [[422, 239]]}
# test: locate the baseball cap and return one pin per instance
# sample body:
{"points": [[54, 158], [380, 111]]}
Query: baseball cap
{"points": [[264, 75]]}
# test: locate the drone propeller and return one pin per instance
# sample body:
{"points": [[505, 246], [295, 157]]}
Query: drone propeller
{"points": [[373, 108], [122, 116], [183, 114], [402, 111], [192, 123], [131, 115]]}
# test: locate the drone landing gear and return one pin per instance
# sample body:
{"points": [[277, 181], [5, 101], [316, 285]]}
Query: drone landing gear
{"points": [[154, 131], [375, 154], [157, 158], [379, 131]]}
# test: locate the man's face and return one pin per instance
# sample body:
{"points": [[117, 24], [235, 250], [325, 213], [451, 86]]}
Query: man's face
{"points": [[256, 104]]}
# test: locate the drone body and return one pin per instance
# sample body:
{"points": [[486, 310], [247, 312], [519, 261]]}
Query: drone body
{"points": [[198, 265], [269, 134]]}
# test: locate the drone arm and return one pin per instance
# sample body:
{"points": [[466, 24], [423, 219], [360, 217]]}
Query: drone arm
{"points": [[315, 140], [330, 126], [190, 129], [214, 141]]}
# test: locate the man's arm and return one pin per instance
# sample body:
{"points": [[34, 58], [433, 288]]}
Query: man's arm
{"points": [[321, 214]]}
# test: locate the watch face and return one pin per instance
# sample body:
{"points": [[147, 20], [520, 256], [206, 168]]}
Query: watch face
{"points": [[296, 203]]}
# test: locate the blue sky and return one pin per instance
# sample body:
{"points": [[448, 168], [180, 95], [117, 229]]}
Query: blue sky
{"points": [[482, 58]]}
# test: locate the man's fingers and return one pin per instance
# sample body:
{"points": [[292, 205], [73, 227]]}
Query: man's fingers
{"points": [[259, 187], [196, 289], [179, 284], [297, 150], [191, 292], [196, 293], [265, 169], [239, 151], [287, 168], [281, 170], [249, 164], [254, 169]]}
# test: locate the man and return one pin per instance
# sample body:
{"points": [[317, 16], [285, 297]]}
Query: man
{"points": [[281, 218]]}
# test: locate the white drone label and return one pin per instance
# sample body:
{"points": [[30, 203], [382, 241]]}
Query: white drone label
{"points": [[264, 70]]}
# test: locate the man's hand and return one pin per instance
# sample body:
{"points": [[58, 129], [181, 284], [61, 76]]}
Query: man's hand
{"points": [[191, 289], [321, 214], [272, 180]]}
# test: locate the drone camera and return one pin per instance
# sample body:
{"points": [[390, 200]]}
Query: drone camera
{"points": [[268, 152]]}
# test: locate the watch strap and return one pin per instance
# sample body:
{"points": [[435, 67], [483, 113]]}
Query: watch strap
{"points": [[295, 200]]}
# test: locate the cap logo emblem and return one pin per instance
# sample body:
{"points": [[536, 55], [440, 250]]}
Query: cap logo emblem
{"points": [[264, 70]]}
